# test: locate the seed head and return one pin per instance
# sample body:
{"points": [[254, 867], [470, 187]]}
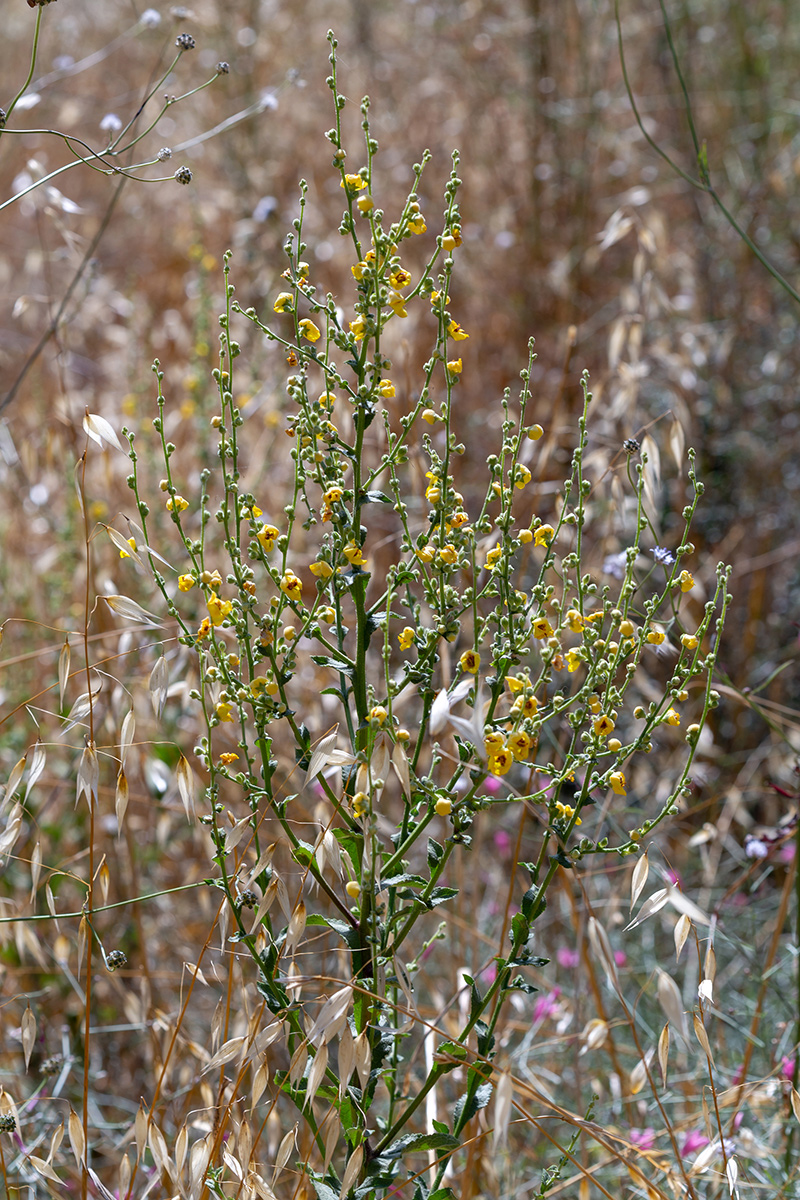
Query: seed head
{"points": [[185, 41]]}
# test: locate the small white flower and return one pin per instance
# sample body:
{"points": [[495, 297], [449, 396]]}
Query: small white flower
{"points": [[111, 123], [150, 18]]}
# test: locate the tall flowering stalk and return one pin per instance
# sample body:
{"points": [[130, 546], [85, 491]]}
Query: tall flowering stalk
{"points": [[485, 650]]}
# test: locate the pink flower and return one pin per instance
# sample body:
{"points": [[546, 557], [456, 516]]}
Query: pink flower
{"points": [[645, 1139], [502, 841], [620, 958], [786, 852], [546, 1005], [567, 958], [493, 784], [489, 974], [787, 1067], [694, 1142]]}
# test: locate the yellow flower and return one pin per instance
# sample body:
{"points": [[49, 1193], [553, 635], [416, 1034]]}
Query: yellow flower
{"points": [[448, 554], [309, 330], [321, 569], [177, 504], [627, 629], [455, 366], [228, 759], [535, 432], [132, 544], [565, 812], [358, 328], [399, 278], [397, 304], [500, 763], [433, 493], [353, 554], [520, 745], [359, 270], [266, 536], [378, 714], [616, 782], [204, 629], [291, 586], [574, 660], [656, 636], [470, 661], [603, 725], [458, 519], [224, 712], [326, 399], [529, 706], [517, 683], [429, 415], [541, 628], [353, 183], [426, 554], [417, 223], [328, 615], [443, 807], [493, 557], [672, 717], [522, 478], [284, 303], [407, 638], [574, 620], [544, 535], [386, 389], [365, 204], [456, 332], [686, 581], [186, 582], [218, 609], [333, 495], [526, 536], [689, 641], [493, 743]]}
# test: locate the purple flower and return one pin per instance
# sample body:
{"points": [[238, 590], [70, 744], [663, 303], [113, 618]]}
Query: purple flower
{"points": [[615, 565], [567, 958], [645, 1139], [545, 1006], [663, 556], [755, 847], [694, 1142]]}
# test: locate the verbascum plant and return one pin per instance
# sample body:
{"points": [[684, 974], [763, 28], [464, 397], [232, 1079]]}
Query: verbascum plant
{"points": [[483, 666]]}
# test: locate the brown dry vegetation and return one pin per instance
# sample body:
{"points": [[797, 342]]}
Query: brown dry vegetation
{"points": [[576, 233]]}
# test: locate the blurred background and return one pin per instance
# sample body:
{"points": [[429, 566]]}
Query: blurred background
{"points": [[575, 232]]}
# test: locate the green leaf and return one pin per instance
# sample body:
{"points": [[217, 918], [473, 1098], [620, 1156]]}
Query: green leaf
{"points": [[440, 895], [324, 1192], [435, 853], [353, 845], [520, 930], [470, 1103], [413, 1143], [342, 665]]}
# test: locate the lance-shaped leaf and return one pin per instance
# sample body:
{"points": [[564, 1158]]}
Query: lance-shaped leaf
{"points": [[28, 1034], [17, 771], [663, 1051], [325, 755], [129, 610], [123, 545], [159, 685], [680, 933], [669, 997], [38, 760], [100, 431], [63, 671], [639, 878], [652, 904], [186, 785], [88, 777]]}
